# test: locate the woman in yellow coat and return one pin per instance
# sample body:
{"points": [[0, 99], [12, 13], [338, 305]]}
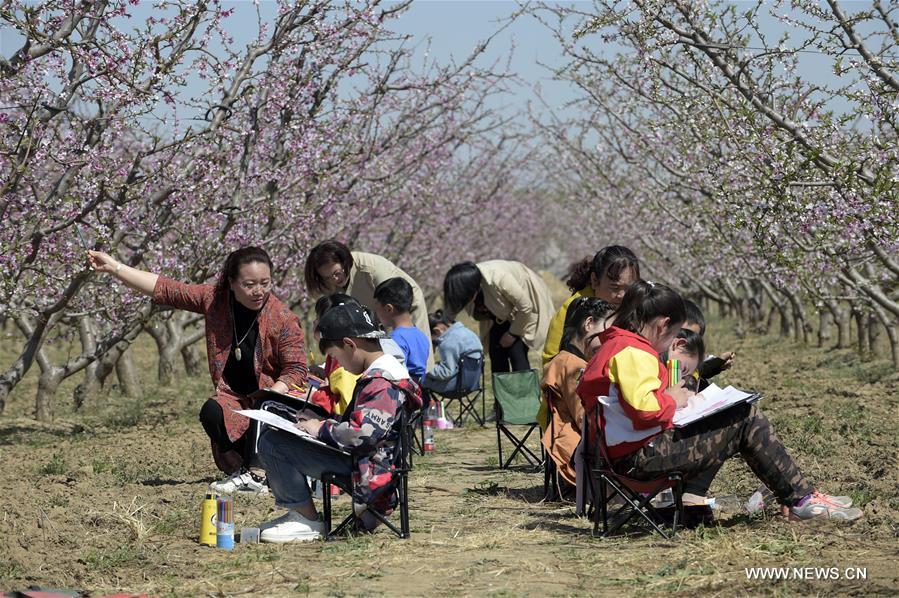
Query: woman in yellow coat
{"points": [[607, 275], [512, 303]]}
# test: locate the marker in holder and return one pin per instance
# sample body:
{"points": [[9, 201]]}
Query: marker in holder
{"points": [[673, 372], [224, 525]]}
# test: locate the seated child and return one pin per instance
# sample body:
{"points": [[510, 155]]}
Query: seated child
{"points": [[366, 430], [452, 340], [628, 382], [584, 321], [393, 302], [711, 366], [688, 348], [336, 390]]}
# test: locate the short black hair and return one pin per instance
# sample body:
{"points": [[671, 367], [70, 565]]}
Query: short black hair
{"points": [[439, 317], [695, 345], [460, 285], [328, 301], [366, 344], [397, 292], [578, 311], [694, 314]]}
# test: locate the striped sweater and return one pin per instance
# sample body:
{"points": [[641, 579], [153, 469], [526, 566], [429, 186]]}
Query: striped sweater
{"points": [[627, 377]]}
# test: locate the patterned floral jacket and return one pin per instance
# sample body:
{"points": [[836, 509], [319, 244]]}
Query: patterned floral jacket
{"points": [[368, 430], [280, 352]]}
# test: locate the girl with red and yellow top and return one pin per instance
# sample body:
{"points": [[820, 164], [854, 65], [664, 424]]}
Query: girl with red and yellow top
{"points": [[627, 382]]}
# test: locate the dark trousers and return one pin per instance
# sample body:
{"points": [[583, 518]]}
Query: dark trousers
{"points": [[699, 450], [231, 454], [506, 359]]}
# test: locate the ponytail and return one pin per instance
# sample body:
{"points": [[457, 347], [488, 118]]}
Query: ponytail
{"points": [[610, 262], [579, 274], [644, 302]]}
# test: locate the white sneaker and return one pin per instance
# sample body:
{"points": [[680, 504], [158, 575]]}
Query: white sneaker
{"points": [[241, 481], [291, 527]]}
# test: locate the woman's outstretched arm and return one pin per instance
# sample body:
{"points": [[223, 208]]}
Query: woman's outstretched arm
{"points": [[139, 280]]}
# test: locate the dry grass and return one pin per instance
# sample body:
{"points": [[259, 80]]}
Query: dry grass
{"points": [[95, 504]]}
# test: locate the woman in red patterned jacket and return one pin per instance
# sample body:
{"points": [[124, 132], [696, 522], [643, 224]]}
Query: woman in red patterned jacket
{"points": [[253, 341]]}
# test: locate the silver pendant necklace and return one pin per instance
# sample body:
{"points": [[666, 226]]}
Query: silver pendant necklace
{"points": [[237, 353]]}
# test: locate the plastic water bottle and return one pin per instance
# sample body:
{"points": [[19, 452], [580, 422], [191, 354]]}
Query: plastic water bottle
{"points": [[207, 521], [428, 444], [758, 499], [726, 504]]}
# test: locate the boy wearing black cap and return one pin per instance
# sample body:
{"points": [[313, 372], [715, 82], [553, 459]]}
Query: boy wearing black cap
{"points": [[366, 430]]}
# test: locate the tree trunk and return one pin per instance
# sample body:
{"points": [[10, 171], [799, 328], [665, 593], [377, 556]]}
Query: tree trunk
{"points": [[874, 324], [193, 362], [825, 323], [126, 372], [786, 320], [47, 386], [168, 348], [769, 321], [801, 327], [91, 384], [889, 325], [841, 316], [861, 320]]}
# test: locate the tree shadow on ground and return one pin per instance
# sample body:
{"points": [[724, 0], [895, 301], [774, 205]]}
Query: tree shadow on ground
{"points": [[19, 432], [157, 481]]}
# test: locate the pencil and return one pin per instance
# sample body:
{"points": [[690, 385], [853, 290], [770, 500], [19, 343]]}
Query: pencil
{"points": [[81, 236]]}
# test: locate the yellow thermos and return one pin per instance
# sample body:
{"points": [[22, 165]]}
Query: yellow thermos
{"points": [[207, 521]]}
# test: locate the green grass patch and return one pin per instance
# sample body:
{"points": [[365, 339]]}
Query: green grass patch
{"points": [[105, 561], [55, 466]]}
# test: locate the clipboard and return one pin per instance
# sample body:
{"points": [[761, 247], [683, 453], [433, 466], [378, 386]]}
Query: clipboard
{"points": [[714, 400], [294, 402], [310, 444]]}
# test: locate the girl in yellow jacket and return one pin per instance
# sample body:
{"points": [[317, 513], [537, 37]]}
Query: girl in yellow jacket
{"points": [[607, 275], [630, 409]]}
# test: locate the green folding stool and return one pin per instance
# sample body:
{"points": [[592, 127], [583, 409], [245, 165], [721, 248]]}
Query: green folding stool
{"points": [[517, 398]]}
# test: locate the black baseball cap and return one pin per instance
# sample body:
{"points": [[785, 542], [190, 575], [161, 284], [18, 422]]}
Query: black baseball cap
{"points": [[348, 320]]}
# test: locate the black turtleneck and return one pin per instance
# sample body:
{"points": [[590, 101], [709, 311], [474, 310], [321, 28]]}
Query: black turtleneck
{"points": [[241, 375]]}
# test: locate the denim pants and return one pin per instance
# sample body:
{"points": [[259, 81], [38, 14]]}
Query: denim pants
{"points": [[288, 460]]}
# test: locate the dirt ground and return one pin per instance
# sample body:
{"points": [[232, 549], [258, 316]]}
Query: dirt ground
{"points": [[110, 501]]}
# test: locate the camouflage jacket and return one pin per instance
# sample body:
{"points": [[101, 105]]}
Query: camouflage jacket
{"points": [[368, 430]]}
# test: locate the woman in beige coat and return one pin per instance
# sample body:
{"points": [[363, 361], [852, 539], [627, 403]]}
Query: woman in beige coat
{"points": [[332, 268], [512, 303]]}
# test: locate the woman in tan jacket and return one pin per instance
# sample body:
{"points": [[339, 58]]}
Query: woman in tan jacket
{"points": [[332, 268], [512, 303]]}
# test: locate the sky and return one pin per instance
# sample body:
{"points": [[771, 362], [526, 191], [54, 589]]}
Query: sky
{"points": [[453, 28], [446, 29]]}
